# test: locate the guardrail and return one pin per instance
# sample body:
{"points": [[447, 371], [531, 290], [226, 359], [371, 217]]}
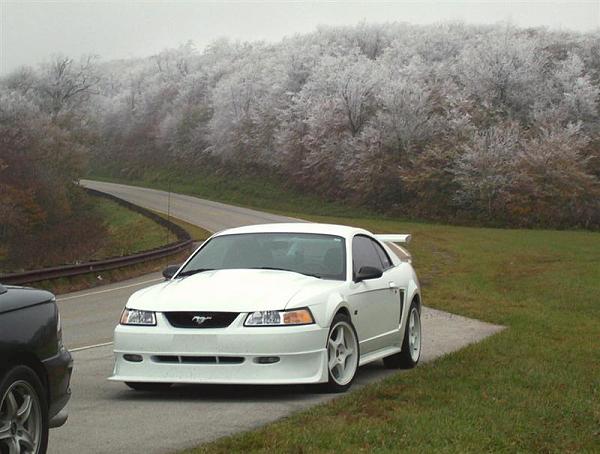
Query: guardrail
{"points": [[183, 237]]}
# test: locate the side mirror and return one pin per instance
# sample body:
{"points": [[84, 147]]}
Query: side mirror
{"points": [[170, 271], [368, 272]]}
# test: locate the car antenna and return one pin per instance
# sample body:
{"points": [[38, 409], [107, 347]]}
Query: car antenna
{"points": [[169, 211]]}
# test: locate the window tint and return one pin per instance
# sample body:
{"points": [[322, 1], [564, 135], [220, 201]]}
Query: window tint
{"points": [[364, 253], [383, 256]]}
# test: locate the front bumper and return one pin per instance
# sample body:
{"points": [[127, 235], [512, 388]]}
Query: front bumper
{"points": [[221, 355]]}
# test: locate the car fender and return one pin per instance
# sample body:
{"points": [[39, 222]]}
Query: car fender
{"points": [[324, 312], [412, 290]]}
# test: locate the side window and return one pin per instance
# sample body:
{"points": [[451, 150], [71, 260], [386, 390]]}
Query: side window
{"points": [[364, 254], [383, 256]]}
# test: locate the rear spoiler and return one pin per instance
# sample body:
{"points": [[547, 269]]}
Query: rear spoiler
{"points": [[394, 238], [400, 252]]}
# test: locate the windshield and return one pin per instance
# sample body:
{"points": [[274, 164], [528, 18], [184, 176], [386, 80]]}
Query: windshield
{"points": [[321, 256]]}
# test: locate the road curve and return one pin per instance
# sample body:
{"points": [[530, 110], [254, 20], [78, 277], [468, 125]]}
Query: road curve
{"points": [[105, 417], [212, 216]]}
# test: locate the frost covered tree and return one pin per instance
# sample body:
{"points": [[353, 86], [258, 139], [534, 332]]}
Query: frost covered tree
{"points": [[39, 204], [551, 182], [483, 171], [66, 83], [407, 107], [351, 83], [246, 103], [450, 121], [503, 70]]}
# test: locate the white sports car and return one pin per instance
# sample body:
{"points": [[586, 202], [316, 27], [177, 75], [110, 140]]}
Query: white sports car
{"points": [[274, 304]]}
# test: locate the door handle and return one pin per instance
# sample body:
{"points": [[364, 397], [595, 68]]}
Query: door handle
{"points": [[392, 285]]}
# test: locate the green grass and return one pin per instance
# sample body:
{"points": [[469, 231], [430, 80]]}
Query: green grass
{"points": [[64, 285], [129, 232], [535, 387], [197, 233], [123, 220]]}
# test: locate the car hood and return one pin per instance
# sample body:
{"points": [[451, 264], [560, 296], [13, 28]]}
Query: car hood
{"points": [[15, 297], [232, 291]]}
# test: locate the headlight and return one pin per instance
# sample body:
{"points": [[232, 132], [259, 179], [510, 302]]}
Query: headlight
{"points": [[136, 317], [280, 318]]}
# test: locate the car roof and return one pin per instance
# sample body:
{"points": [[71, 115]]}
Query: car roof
{"points": [[297, 227]]}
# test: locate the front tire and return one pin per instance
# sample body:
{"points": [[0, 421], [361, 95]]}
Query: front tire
{"points": [[342, 354], [411, 345], [23, 412], [148, 387]]}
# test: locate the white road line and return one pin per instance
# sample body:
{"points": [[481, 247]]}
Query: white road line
{"points": [[87, 347], [109, 290]]}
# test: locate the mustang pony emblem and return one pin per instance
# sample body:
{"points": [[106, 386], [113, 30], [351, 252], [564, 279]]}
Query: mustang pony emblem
{"points": [[198, 319]]}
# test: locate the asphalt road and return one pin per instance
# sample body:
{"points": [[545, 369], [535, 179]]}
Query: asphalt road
{"points": [[106, 417], [212, 216]]}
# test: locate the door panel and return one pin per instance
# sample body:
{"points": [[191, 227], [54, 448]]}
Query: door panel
{"points": [[378, 308], [376, 305]]}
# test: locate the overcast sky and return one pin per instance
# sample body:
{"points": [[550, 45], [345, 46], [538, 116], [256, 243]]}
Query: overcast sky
{"points": [[33, 31]]}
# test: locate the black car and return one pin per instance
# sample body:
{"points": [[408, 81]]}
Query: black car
{"points": [[35, 370]]}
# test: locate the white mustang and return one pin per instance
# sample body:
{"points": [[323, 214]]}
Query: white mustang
{"points": [[274, 304]]}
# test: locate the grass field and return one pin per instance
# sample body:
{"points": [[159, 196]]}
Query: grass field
{"points": [[128, 231], [84, 281], [533, 388], [197, 233], [123, 221]]}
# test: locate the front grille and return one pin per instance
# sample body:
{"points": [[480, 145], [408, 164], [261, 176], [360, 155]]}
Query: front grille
{"points": [[201, 319], [198, 359]]}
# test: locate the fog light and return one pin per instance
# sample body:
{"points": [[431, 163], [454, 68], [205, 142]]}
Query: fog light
{"points": [[266, 359], [133, 358]]}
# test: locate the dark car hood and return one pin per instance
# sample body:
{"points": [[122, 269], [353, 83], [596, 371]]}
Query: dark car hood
{"points": [[20, 297]]}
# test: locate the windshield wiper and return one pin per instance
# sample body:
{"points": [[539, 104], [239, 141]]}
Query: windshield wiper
{"points": [[285, 269], [190, 272]]}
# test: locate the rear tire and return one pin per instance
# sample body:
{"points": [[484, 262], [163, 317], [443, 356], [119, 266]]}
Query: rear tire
{"points": [[342, 354], [23, 412], [411, 345], [148, 387]]}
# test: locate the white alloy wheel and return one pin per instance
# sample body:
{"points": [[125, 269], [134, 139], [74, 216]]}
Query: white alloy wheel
{"points": [[342, 352], [411, 344], [414, 334]]}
